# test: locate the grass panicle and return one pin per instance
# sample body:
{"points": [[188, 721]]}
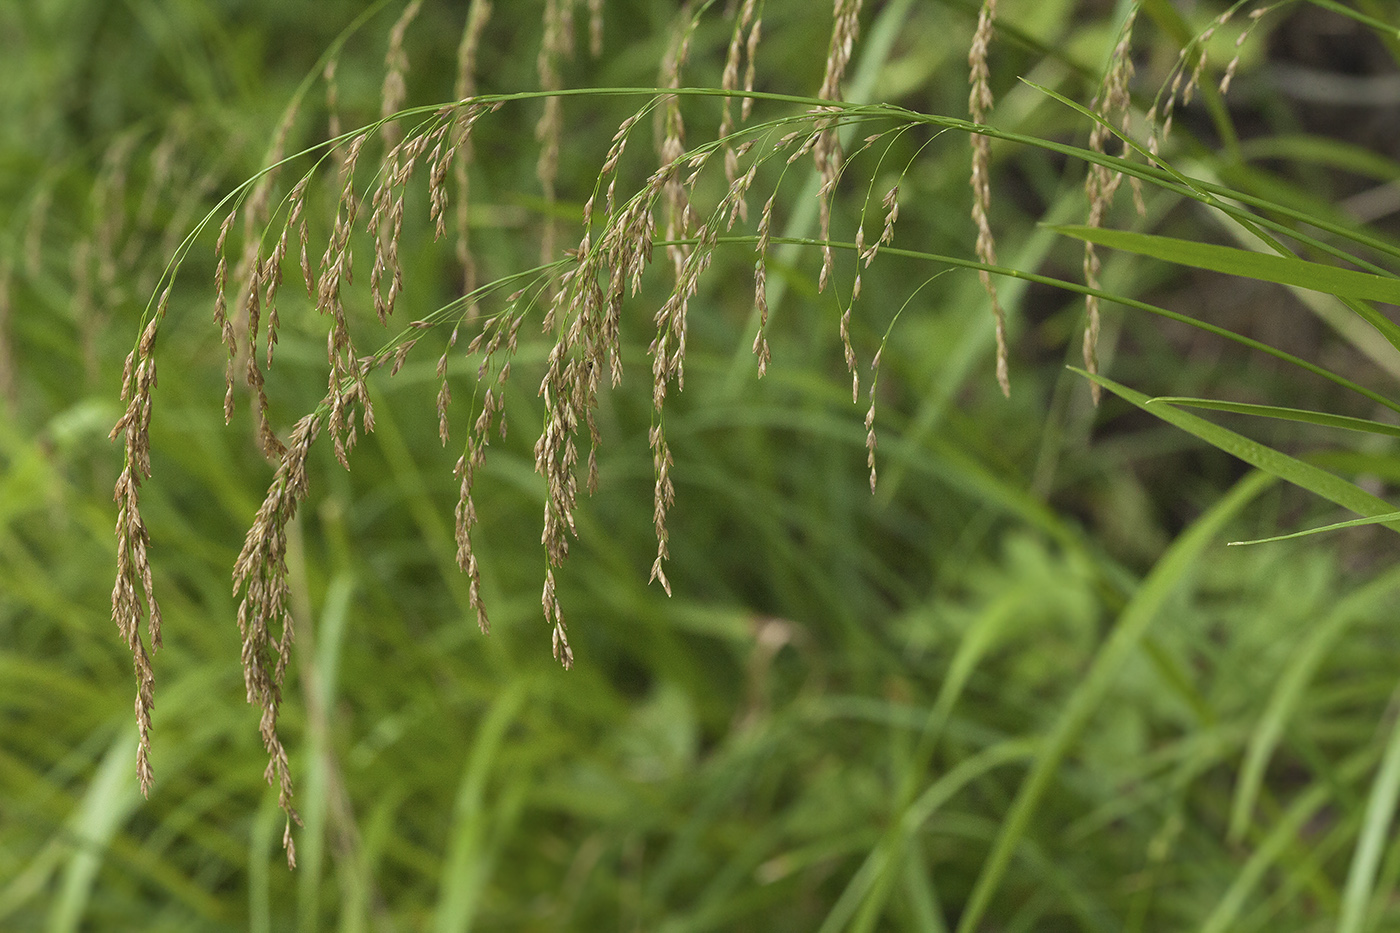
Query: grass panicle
{"points": [[264, 613], [979, 104], [133, 539], [1112, 103], [674, 207], [464, 89]]}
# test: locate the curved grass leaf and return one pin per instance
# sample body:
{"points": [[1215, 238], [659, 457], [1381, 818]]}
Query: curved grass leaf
{"points": [[1303, 415], [1375, 831], [1314, 479], [1375, 520], [1282, 270]]}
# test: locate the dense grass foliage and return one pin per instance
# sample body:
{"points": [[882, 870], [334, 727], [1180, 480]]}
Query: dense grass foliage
{"points": [[1022, 683]]}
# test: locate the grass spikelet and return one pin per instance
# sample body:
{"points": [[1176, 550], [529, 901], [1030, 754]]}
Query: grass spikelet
{"points": [[760, 285], [230, 339], [1184, 81], [109, 191], [444, 396], [554, 617], [1254, 17], [333, 129], [671, 150], [465, 471], [826, 151], [729, 81], [267, 438], [395, 87], [264, 614], [133, 539], [336, 271], [503, 330], [871, 441], [1112, 102], [386, 217], [557, 45], [978, 105], [465, 89]]}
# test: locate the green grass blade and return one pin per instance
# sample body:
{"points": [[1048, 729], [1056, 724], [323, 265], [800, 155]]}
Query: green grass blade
{"points": [[1282, 270], [864, 890], [1128, 632], [1375, 831], [465, 868], [1271, 848], [110, 799], [315, 811], [1303, 415], [1315, 480], [1335, 526], [1288, 691]]}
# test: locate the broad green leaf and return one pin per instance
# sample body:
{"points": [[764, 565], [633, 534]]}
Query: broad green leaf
{"points": [[1283, 270], [1326, 419]]}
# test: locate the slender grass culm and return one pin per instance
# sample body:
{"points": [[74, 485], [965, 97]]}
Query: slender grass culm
{"points": [[508, 270]]}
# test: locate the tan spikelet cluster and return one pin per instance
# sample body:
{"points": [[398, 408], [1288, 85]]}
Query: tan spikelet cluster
{"points": [[826, 151], [1112, 103], [328, 74], [671, 147], [557, 45], [1254, 17], [395, 87], [499, 336], [264, 615], [742, 43], [979, 104], [256, 280], [133, 540], [386, 209], [760, 285], [582, 296], [865, 256], [260, 573], [465, 89], [871, 441], [1190, 65], [346, 381], [586, 318]]}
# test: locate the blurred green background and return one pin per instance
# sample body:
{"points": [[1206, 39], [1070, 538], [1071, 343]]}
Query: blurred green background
{"points": [[827, 725]]}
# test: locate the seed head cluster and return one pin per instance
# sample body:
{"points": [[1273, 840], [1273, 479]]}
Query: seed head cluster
{"points": [[677, 207]]}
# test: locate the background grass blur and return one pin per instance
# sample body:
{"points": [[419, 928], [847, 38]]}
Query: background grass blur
{"points": [[827, 726]]}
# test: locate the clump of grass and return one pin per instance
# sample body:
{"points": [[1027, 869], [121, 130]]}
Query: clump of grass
{"points": [[579, 296]]}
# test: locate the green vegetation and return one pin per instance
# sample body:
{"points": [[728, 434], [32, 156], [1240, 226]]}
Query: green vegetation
{"points": [[1024, 685]]}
